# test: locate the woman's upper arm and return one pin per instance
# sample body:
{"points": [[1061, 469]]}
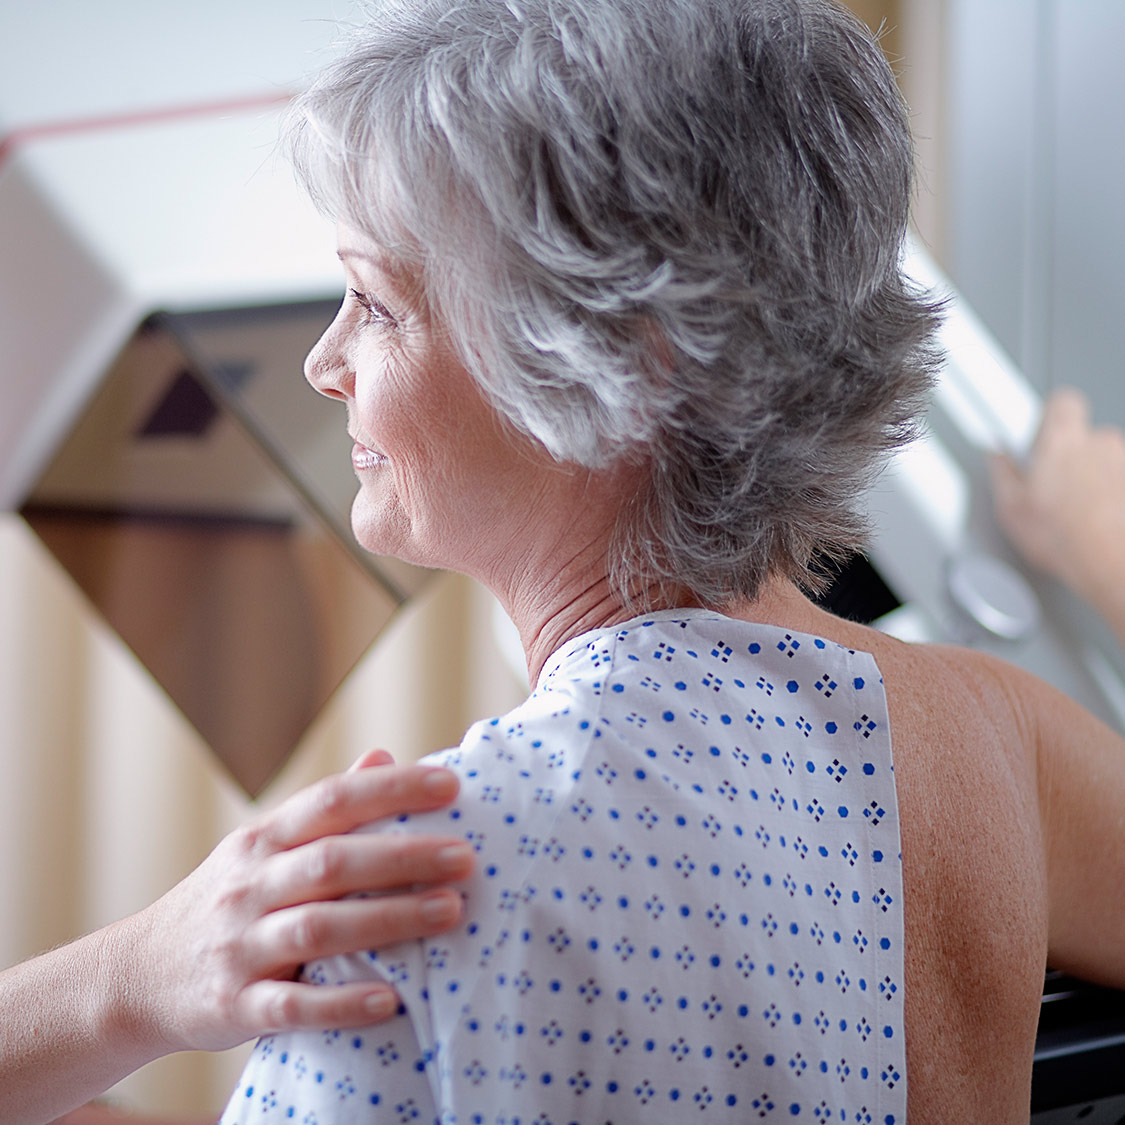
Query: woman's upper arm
{"points": [[1081, 779]]}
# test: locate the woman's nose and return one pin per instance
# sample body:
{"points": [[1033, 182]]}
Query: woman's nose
{"points": [[326, 368]]}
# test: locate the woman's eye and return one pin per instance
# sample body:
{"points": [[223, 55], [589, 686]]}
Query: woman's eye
{"points": [[374, 312]]}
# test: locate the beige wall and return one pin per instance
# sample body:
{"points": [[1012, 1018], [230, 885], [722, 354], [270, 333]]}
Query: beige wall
{"points": [[913, 41], [884, 15], [109, 797]]}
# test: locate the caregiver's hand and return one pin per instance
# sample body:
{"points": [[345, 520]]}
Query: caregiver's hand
{"points": [[1064, 510], [214, 961], [218, 954]]}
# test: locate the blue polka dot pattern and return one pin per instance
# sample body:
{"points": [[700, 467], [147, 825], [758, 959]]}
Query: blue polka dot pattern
{"points": [[688, 903]]}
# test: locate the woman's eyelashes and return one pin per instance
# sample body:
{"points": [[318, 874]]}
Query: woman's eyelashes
{"points": [[374, 311]]}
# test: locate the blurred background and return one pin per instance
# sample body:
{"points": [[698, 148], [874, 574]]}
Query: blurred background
{"points": [[125, 219]]}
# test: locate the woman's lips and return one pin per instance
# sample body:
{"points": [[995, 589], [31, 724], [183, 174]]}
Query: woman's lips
{"points": [[364, 458]]}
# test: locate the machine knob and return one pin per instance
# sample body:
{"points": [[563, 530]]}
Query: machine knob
{"points": [[993, 595]]}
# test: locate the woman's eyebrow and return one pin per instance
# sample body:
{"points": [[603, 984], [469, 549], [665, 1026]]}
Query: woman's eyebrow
{"points": [[388, 266], [347, 252]]}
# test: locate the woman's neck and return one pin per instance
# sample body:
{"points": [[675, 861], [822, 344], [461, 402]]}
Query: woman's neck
{"points": [[548, 560], [574, 598], [579, 598], [548, 563]]}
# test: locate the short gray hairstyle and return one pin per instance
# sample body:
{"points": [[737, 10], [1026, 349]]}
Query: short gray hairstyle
{"points": [[661, 230]]}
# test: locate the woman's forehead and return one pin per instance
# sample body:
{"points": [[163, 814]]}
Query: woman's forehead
{"points": [[355, 245], [362, 253]]}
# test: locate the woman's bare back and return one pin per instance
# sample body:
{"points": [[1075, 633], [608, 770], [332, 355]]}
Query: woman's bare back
{"points": [[1004, 787]]}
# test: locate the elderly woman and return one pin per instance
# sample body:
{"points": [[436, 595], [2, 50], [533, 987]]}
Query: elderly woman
{"points": [[625, 335]]}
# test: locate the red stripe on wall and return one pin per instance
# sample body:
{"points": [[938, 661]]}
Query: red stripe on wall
{"points": [[18, 138]]}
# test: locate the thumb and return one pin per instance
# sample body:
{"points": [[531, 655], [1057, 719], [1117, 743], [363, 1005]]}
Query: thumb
{"points": [[1006, 476]]}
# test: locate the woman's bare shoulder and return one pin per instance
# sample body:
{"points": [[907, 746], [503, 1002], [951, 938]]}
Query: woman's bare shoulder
{"points": [[965, 758], [1037, 761], [966, 732], [953, 688], [941, 688]]}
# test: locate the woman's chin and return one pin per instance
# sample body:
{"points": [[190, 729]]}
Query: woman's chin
{"points": [[382, 534], [377, 542], [375, 528]]}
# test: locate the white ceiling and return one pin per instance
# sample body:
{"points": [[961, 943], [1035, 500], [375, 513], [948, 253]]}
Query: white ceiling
{"points": [[61, 59]]}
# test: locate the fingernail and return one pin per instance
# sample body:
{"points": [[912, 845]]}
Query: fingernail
{"points": [[440, 910], [455, 857], [381, 1004], [440, 783]]}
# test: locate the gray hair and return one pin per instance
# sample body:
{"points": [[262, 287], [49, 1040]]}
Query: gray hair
{"points": [[668, 231]]}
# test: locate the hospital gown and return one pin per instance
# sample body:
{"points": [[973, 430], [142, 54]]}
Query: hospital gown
{"points": [[687, 906]]}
